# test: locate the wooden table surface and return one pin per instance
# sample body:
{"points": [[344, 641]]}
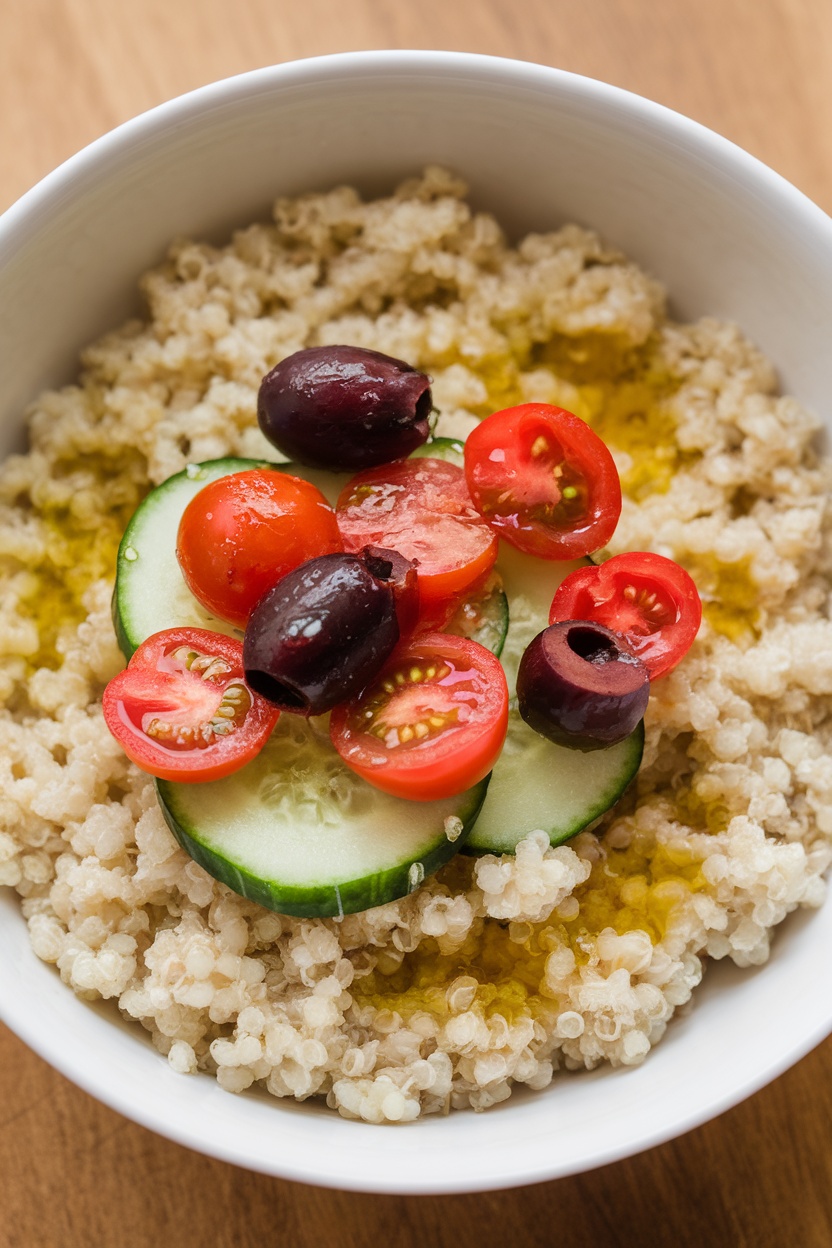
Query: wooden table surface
{"points": [[73, 1173]]}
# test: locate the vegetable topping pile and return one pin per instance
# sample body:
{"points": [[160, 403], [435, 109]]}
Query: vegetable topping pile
{"points": [[346, 609]]}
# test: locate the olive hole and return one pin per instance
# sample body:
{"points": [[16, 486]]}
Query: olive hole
{"points": [[424, 404], [380, 568], [275, 691], [589, 645]]}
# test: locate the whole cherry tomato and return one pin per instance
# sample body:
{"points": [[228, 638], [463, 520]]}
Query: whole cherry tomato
{"points": [[241, 533]]}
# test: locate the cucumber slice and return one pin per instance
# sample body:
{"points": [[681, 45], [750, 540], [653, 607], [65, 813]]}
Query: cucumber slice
{"points": [[449, 449], [483, 617], [298, 832], [529, 584], [150, 593], [535, 783]]}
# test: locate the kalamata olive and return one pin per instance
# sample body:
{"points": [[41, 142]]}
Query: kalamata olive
{"points": [[579, 686], [325, 630], [344, 408]]}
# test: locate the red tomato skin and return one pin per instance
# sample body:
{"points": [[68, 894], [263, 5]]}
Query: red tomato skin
{"points": [[509, 476], [421, 508], [598, 593], [241, 533], [450, 764], [155, 683]]}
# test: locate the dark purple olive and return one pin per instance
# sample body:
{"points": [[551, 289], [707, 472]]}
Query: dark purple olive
{"points": [[325, 630], [579, 687], [344, 408]]}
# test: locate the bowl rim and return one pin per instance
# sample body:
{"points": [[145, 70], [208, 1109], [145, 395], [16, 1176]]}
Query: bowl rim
{"points": [[23, 219], [107, 1085], [24, 214]]}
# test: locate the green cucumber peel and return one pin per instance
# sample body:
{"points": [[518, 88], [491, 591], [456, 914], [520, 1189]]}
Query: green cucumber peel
{"points": [[296, 831]]}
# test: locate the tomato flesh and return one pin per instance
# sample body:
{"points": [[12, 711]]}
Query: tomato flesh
{"points": [[432, 724], [421, 508], [182, 709], [544, 480], [243, 532], [648, 600]]}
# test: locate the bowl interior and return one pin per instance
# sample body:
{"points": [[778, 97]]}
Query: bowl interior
{"points": [[538, 148]]}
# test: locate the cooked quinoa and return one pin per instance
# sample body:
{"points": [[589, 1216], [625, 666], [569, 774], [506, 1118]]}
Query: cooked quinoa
{"points": [[498, 970]]}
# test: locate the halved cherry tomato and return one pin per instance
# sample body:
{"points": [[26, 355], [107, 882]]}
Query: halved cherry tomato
{"points": [[243, 532], [544, 480], [431, 724], [182, 710], [421, 508], [648, 600]]}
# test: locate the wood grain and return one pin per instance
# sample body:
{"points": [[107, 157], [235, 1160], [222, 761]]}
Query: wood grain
{"points": [[76, 1175]]}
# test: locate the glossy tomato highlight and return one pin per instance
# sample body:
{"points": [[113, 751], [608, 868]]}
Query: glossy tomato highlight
{"points": [[182, 709], [648, 600], [433, 722], [544, 480], [243, 532], [421, 508]]}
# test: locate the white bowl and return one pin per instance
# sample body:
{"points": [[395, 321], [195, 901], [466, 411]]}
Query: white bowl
{"points": [[538, 147]]}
